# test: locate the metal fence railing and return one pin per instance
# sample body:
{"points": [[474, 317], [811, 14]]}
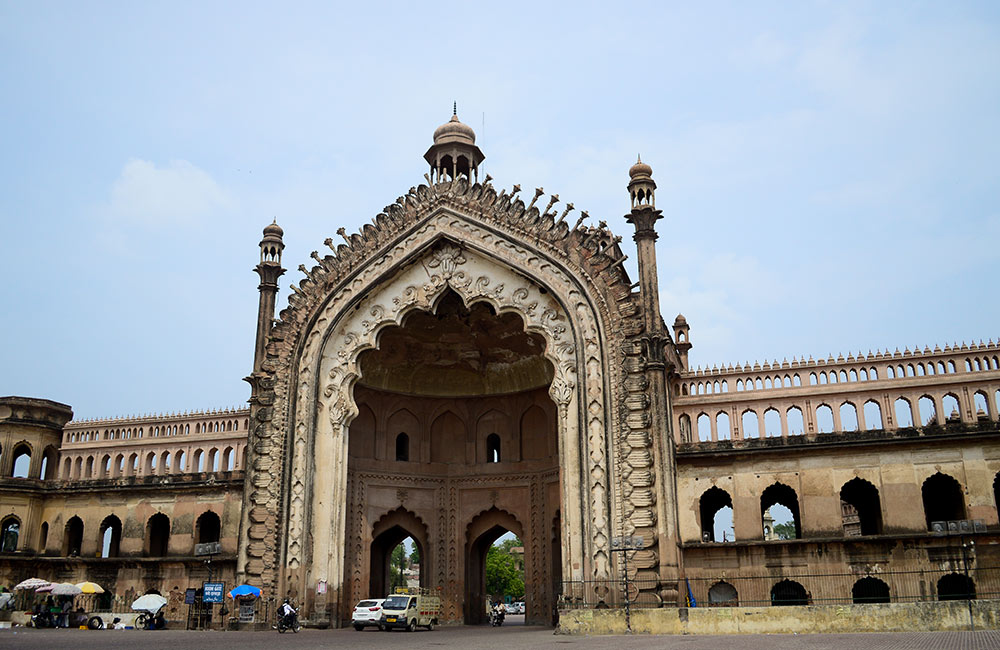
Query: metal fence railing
{"points": [[795, 588]]}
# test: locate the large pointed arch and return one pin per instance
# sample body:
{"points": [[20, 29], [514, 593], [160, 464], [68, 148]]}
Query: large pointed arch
{"points": [[306, 383]]}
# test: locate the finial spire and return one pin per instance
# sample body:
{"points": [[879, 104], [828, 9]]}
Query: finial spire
{"points": [[454, 109]]}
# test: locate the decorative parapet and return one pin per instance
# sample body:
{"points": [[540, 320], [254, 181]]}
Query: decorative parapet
{"points": [[880, 391]]}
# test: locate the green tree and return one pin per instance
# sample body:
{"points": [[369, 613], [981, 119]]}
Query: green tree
{"points": [[414, 555], [397, 562], [502, 575], [785, 530]]}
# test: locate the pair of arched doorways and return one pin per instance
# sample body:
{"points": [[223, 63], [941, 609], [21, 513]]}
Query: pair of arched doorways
{"points": [[481, 534]]}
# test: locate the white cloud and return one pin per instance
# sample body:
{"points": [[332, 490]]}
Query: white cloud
{"points": [[176, 193]]}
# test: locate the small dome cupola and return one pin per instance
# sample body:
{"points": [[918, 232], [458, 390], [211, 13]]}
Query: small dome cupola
{"points": [[272, 245], [454, 152], [641, 185]]}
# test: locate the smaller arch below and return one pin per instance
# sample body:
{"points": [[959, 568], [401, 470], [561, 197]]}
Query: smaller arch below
{"points": [[788, 592], [870, 590]]}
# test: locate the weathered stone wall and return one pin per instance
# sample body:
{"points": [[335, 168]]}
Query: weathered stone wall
{"points": [[811, 619]]}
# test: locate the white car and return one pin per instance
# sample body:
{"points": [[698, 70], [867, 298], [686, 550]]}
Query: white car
{"points": [[367, 612], [517, 608]]}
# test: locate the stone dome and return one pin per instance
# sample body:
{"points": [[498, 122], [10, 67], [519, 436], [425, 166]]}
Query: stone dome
{"points": [[273, 229], [640, 169], [454, 131]]}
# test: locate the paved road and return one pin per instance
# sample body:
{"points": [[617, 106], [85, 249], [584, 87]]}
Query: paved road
{"points": [[508, 637]]}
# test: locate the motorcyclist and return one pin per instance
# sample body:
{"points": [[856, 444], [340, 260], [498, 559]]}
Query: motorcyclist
{"points": [[288, 613]]}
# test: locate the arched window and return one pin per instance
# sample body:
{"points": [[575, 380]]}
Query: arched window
{"points": [[10, 530], [493, 448], [824, 419], [722, 426], [229, 456], [904, 413], [956, 586], [949, 403], [751, 426], [873, 415], [73, 537], [779, 494], [723, 594], [870, 590], [43, 537], [157, 535], [111, 536], [716, 516], [772, 423], [208, 528], [861, 508], [788, 592], [928, 412], [22, 461], [704, 428], [181, 458], [403, 447], [848, 417], [943, 499], [796, 425], [684, 421]]}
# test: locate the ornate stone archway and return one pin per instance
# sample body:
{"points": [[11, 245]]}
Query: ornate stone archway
{"points": [[448, 252]]}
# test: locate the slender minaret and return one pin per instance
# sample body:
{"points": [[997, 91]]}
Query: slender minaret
{"points": [[269, 269], [644, 215], [251, 514], [655, 341]]}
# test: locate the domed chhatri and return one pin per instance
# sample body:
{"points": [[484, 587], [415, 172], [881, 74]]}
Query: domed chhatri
{"points": [[454, 152], [641, 185]]}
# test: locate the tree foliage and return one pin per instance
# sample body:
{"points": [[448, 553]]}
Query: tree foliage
{"points": [[397, 562], [503, 575], [785, 530]]}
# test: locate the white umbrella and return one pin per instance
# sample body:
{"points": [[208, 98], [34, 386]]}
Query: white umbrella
{"points": [[149, 603], [32, 583], [65, 589]]}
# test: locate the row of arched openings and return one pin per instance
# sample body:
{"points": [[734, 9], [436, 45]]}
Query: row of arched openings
{"points": [[848, 418], [942, 495], [867, 590], [208, 528], [153, 462], [492, 448], [155, 431], [21, 461]]}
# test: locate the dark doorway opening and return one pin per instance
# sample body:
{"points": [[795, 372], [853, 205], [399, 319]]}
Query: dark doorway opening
{"points": [[956, 586], [870, 590], [789, 592]]}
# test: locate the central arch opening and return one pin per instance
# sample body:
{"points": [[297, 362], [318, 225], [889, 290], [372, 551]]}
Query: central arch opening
{"points": [[491, 573], [454, 421]]}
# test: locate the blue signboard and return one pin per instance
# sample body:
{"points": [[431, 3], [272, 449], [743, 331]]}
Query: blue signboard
{"points": [[213, 592]]}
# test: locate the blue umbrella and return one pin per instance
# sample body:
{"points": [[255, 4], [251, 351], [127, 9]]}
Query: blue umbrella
{"points": [[245, 590]]}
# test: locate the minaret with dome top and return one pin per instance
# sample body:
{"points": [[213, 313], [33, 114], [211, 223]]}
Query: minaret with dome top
{"points": [[269, 269], [454, 152]]}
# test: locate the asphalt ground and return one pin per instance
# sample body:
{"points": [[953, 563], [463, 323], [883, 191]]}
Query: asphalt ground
{"points": [[507, 637]]}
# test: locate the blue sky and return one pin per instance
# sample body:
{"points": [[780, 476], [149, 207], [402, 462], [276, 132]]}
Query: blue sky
{"points": [[827, 170]]}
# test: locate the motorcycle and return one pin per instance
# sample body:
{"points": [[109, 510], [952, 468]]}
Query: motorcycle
{"points": [[289, 622], [496, 618], [43, 619]]}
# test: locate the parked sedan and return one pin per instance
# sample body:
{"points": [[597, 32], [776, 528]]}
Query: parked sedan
{"points": [[367, 613]]}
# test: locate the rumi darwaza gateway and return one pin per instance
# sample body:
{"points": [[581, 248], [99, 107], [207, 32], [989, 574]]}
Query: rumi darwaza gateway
{"points": [[477, 361]]}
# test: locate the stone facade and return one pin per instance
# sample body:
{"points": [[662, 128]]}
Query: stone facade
{"points": [[473, 362]]}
